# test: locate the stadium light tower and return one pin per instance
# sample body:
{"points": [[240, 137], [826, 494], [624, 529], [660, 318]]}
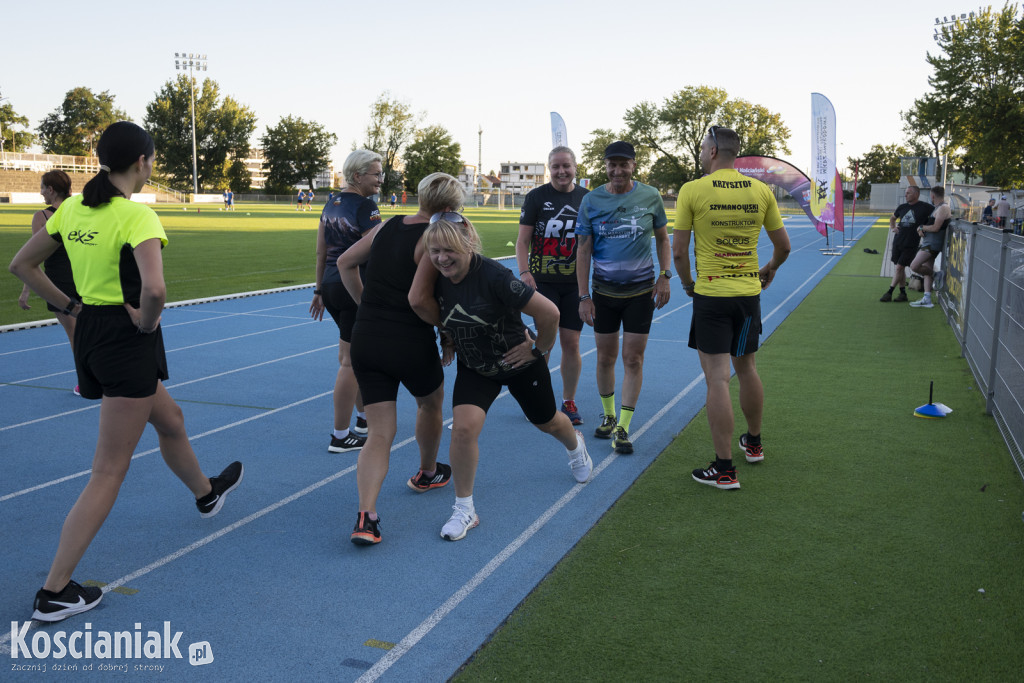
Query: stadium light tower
{"points": [[190, 61]]}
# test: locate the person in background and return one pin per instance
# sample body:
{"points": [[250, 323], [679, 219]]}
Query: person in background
{"points": [[55, 186], [309, 201], [479, 303], [614, 230], [546, 261], [299, 198], [119, 350], [345, 219], [904, 222], [1002, 211], [986, 213], [933, 239]]}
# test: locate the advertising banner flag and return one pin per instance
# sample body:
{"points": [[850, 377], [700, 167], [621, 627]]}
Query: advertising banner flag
{"points": [[823, 159], [558, 134], [781, 174]]}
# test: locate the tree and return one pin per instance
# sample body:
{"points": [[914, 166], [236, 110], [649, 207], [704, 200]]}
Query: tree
{"points": [[238, 177], [432, 150], [392, 125], [977, 87], [75, 126], [880, 164], [296, 151], [223, 126], [761, 132], [12, 140]]}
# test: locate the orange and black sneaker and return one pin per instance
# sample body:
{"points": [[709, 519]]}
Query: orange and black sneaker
{"points": [[367, 531], [712, 476], [753, 451], [421, 482]]}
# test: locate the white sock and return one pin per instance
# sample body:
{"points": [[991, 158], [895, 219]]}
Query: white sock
{"points": [[341, 433], [579, 447], [465, 503]]}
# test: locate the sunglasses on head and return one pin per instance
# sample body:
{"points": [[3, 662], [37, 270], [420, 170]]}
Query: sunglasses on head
{"points": [[450, 216], [711, 131]]}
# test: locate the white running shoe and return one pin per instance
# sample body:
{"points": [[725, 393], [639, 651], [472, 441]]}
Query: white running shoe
{"points": [[458, 526], [922, 303], [581, 465]]}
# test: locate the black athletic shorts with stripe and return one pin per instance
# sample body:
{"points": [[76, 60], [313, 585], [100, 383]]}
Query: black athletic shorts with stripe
{"points": [[726, 324]]}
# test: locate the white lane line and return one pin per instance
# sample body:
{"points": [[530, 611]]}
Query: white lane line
{"points": [[428, 624]]}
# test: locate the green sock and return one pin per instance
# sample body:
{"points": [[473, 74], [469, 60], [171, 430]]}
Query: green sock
{"points": [[608, 404], [625, 417]]}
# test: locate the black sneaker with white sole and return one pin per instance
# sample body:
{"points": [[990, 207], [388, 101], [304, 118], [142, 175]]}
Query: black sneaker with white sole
{"points": [[74, 599], [223, 484], [361, 428], [350, 442]]}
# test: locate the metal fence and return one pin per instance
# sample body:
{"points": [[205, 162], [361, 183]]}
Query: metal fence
{"points": [[41, 163], [982, 293]]}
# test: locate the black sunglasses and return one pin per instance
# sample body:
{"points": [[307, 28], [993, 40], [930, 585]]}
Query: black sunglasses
{"points": [[714, 137], [450, 216]]}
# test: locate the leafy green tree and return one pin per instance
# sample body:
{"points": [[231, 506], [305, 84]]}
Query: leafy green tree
{"points": [[238, 177], [11, 139], [222, 126], [75, 126], [762, 133], [880, 164], [977, 88], [433, 150], [296, 151], [392, 126]]}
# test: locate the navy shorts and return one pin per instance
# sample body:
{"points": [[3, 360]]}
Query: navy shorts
{"points": [[531, 388], [341, 306], [113, 358], [565, 295], [726, 324], [381, 361], [634, 314]]}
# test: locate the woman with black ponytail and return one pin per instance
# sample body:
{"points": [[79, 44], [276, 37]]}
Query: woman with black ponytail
{"points": [[114, 246]]}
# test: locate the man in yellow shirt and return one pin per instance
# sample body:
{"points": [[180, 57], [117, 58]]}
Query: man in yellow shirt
{"points": [[724, 212]]}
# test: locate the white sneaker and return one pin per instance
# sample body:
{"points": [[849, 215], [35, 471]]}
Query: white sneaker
{"points": [[922, 303], [581, 465], [461, 522]]}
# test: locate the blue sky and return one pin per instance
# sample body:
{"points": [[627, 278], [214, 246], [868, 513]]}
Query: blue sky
{"points": [[502, 67]]}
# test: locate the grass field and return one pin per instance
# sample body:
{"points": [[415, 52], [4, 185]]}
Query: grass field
{"points": [[213, 252], [870, 545]]}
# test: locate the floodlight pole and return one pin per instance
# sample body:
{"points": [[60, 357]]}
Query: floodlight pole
{"points": [[192, 61]]}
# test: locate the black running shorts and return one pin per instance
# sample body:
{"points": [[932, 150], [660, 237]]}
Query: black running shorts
{"points": [[382, 361], [634, 314], [113, 358], [565, 295], [531, 388], [341, 306], [726, 324]]}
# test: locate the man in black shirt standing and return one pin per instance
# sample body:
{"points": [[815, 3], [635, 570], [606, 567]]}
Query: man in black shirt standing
{"points": [[904, 222]]}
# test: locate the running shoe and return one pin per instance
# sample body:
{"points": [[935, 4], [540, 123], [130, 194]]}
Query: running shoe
{"points": [[922, 303], [74, 599], [607, 427], [581, 465], [223, 484], [712, 477], [886, 297], [462, 520], [753, 453], [76, 391], [367, 531], [569, 408], [621, 442], [361, 429], [351, 442], [421, 482]]}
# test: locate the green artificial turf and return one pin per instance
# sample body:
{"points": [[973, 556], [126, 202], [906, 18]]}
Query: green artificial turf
{"points": [[870, 544], [213, 253]]}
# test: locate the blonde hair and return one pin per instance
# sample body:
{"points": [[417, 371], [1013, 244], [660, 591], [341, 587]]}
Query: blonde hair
{"points": [[461, 238], [359, 162], [440, 191], [562, 148]]}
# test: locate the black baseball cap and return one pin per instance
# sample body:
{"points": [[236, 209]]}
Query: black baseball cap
{"points": [[620, 149]]}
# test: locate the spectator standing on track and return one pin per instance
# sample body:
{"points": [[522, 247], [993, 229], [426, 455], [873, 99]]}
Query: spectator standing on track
{"points": [[546, 260], [909, 215], [1002, 211], [115, 248], [933, 239], [616, 222], [391, 345], [479, 303], [345, 219], [723, 213], [55, 186]]}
